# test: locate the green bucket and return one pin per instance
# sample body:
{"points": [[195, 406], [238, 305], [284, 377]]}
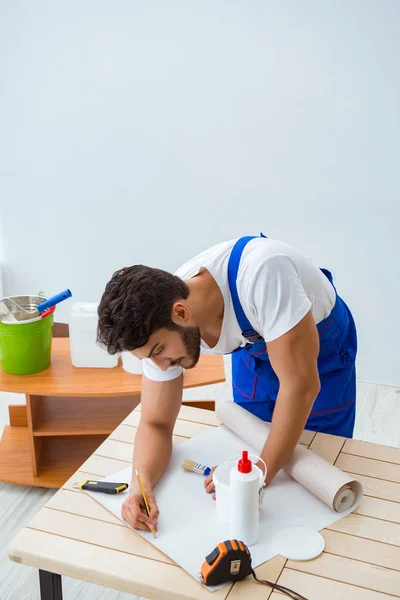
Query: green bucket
{"points": [[25, 346]]}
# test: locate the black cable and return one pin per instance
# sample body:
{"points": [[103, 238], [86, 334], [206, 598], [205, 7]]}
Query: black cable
{"points": [[279, 588]]}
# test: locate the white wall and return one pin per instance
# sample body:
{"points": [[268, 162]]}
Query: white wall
{"points": [[145, 131]]}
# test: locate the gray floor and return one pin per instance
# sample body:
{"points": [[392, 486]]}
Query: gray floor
{"points": [[378, 416]]}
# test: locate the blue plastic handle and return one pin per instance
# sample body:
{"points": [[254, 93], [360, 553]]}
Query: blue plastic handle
{"points": [[54, 300]]}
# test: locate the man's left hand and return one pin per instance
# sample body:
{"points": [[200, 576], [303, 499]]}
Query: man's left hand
{"points": [[209, 485]]}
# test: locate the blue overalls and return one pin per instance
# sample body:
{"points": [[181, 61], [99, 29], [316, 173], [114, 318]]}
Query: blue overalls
{"points": [[255, 385]]}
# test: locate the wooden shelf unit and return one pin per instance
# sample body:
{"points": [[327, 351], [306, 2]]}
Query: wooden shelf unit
{"points": [[52, 415], [69, 412], [64, 431], [57, 459]]}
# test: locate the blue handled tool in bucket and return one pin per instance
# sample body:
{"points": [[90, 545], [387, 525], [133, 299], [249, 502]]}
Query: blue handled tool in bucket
{"points": [[54, 300]]}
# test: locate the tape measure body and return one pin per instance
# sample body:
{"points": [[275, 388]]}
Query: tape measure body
{"points": [[230, 561]]}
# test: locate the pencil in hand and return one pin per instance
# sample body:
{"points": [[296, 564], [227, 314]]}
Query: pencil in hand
{"points": [[153, 531]]}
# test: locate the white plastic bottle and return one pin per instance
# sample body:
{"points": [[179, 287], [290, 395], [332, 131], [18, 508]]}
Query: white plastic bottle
{"points": [[82, 331], [244, 495]]}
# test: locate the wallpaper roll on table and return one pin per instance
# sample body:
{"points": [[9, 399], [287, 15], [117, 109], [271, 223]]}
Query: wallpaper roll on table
{"points": [[328, 483]]}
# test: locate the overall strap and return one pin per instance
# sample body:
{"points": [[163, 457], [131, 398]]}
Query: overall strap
{"points": [[233, 269]]}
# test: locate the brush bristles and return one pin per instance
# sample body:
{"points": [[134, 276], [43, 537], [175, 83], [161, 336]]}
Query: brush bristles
{"points": [[188, 465]]}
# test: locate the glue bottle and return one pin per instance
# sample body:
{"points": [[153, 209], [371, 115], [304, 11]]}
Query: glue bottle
{"points": [[244, 501]]}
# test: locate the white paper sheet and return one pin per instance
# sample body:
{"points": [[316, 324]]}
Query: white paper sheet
{"points": [[187, 514]]}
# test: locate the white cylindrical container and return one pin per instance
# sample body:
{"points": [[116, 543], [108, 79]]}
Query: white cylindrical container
{"points": [[83, 331], [244, 501], [131, 364]]}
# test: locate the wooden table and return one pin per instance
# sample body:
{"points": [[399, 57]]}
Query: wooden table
{"points": [[69, 411], [75, 536]]}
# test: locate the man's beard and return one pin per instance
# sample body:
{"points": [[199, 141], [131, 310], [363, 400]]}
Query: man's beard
{"points": [[191, 340]]}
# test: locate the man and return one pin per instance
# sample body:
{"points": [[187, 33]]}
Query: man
{"points": [[292, 339]]}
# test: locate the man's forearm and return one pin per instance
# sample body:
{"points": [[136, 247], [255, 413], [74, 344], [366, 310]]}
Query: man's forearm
{"points": [[152, 452], [290, 416]]}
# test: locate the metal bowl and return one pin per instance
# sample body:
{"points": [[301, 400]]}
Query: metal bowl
{"points": [[12, 308]]}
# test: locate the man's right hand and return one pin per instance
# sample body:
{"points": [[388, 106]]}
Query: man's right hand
{"points": [[160, 404], [133, 511]]}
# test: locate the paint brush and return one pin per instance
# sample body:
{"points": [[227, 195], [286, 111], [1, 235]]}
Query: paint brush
{"points": [[194, 467]]}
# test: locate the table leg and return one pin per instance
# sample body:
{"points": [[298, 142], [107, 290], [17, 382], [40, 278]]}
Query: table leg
{"points": [[50, 586]]}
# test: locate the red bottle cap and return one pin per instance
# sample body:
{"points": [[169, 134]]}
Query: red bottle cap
{"points": [[245, 465]]}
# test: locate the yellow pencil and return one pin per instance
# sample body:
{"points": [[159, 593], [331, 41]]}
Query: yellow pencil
{"points": [[153, 531]]}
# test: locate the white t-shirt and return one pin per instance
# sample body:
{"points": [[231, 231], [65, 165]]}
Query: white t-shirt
{"points": [[277, 286]]}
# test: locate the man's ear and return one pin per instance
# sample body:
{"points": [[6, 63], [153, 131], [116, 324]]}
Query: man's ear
{"points": [[180, 313]]}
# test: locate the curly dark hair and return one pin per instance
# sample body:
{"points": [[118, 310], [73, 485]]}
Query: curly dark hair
{"points": [[136, 302]]}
